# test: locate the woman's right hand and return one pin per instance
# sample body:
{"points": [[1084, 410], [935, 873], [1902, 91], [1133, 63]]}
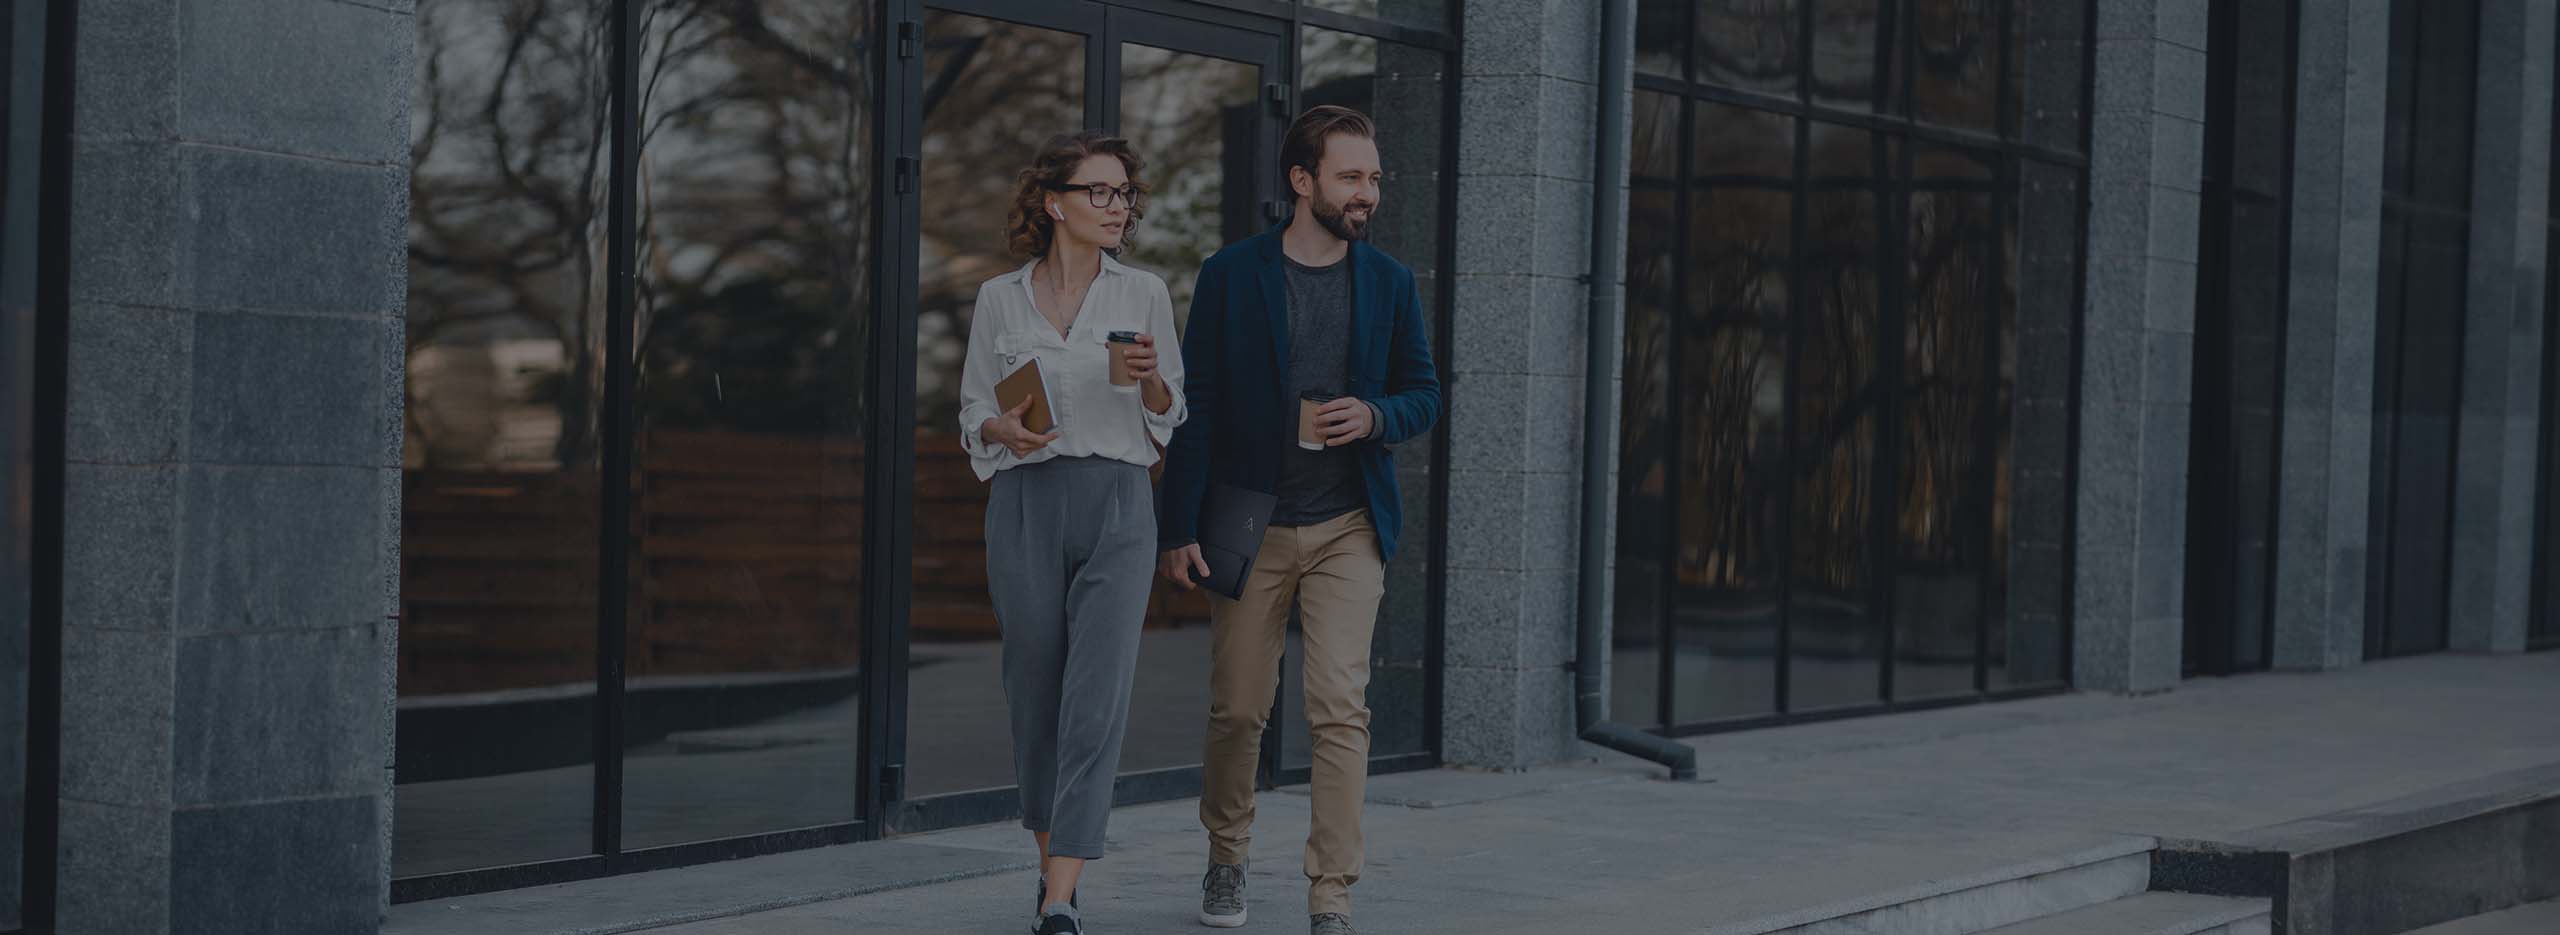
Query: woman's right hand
{"points": [[1007, 430]]}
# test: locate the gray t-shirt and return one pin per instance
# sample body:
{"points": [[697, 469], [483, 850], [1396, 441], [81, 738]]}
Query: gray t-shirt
{"points": [[1316, 486]]}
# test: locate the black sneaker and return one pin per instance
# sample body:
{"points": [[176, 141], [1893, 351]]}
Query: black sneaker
{"points": [[1060, 924], [1329, 923], [1222, 897]]}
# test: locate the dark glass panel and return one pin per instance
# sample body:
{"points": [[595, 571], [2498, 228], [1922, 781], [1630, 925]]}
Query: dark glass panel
{"points": [[1835, 644], [1731, 378], [501, 486], [1856, 54], [2418, 365], [1644, 441], [1955, 74], [1403, 87], [1000, 90], [1754, 45], [1194, 119], [1420, 14], [2048, 58], [1662, 33], [2032, 509], [17, 414], [753, 323], [1951, 340]]}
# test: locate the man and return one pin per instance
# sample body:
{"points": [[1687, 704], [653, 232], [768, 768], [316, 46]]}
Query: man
{"points": [[1308, 307]]}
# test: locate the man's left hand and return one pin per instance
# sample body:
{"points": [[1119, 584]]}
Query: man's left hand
{"points": [[1344, 421]]}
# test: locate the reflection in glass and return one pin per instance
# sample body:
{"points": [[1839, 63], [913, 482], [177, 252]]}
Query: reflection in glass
{"points": [[1749, 44], [2047, 52], [1644, 446], [1001, 90], [1854, 54], [1955, 73], [1661, 36], [1951, 337], [500, 488], [1421, 14], [1834, 643], [752, 323], [2026, 642], [1196, 121], [1731, 375], [1402, 86]]}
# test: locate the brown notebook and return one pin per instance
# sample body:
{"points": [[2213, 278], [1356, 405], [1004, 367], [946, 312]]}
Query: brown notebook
{"points": [[1027, 382]]}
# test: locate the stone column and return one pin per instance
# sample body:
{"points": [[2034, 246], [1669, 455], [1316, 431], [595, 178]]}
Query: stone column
{"points": [[2343, 68], [2145, 172], [238, 249], [2494, 467], [1528, 108]]}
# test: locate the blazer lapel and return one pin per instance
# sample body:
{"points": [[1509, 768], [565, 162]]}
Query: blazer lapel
{"points": [[1275, 304]]}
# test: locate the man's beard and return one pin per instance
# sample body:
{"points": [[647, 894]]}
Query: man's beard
{"points": [[1334, 220]]}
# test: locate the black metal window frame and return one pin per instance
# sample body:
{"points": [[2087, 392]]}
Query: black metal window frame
{"points": [[889, 527], [2542, 625], [1896, 123], [2213, 487], [35, 307]]}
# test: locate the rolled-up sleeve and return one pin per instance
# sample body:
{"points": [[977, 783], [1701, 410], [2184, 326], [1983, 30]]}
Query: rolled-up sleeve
{"points": [[1160, 425], [978, 389]]}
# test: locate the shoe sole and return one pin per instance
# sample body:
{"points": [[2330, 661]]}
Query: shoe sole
{"points": [[1221, 922]]}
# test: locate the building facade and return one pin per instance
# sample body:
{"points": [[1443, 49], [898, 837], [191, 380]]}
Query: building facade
{"points": [[512, 441]]}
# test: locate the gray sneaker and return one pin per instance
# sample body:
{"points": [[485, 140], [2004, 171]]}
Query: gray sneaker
{"points": [[1222, 897], [1329, 923]]}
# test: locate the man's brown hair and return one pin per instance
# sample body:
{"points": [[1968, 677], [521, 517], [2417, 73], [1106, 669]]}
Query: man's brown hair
{"points": [[1303, 147]]}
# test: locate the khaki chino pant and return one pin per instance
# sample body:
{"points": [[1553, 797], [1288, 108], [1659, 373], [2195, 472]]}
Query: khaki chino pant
{"points": [[1334, 572]]}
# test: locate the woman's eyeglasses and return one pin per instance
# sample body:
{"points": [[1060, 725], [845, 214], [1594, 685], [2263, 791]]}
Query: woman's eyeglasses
{"points": [[1100, 194]]}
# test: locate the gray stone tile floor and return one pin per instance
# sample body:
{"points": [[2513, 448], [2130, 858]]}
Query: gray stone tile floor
{"points": [[1789, 818]]}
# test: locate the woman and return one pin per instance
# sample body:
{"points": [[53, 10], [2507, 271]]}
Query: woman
{"points": [[1071, 530]]}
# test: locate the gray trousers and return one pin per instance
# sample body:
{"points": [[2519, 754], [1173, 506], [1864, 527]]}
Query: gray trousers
{"points": [[1071, 550]]}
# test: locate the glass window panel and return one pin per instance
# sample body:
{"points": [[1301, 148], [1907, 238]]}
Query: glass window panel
{"points": [[2031, 509], [1951, 345], [500, 490], [1403, 87], [1644, 473], [1009, 88], [1835, 644], [1420, 14], [1730, 379], [1195, 120], [743, 678], [2048, 59], [1661, 36], [1955, 73], [17, 390], [1856, 61], [1755, 45]]}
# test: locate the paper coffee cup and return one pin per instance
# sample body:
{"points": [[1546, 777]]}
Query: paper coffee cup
{"points": [[1120, 342], [1308, 403]]}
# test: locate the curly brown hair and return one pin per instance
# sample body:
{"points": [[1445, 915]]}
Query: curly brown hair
{"points": [[1028, 229]]}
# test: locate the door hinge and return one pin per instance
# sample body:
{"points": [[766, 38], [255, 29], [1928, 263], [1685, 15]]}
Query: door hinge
{"points": [[905, 175], [1277, 95], [910, 35], [893, 783], [1274, 212]]}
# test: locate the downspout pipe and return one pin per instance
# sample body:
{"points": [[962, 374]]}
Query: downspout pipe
{"points": [[1599, 410]]}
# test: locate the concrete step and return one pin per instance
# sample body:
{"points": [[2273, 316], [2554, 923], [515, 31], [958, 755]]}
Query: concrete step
{"points": [[2542, 918], [2390, 867], [1977, 902], [2155, 914]]}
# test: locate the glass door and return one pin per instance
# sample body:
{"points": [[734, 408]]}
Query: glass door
{"points": [[1201, 102]]}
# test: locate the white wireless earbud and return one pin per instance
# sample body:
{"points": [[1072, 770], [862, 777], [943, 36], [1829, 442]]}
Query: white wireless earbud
{"points": [[1055, 213]]}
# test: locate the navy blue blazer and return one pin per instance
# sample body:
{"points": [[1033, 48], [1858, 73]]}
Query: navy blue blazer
{"points": [[1244, 414]]}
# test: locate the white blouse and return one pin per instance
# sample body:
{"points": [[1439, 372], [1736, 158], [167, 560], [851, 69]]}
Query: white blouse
{"points": [[1095, 420]]}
